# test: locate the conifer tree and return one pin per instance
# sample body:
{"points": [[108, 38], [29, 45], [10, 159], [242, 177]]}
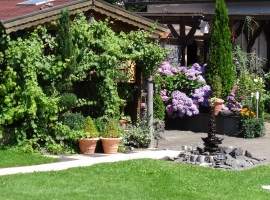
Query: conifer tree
{"points": [[220, 65], [65, 48]]}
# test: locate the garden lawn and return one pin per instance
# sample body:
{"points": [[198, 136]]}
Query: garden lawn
{"points": [[138, 179], [16, 158]]}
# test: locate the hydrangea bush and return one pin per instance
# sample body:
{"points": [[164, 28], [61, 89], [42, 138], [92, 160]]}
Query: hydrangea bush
{"points": [[182, 89]]}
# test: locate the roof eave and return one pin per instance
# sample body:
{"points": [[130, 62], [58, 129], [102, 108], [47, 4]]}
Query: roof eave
{"points": [[50, 14]]}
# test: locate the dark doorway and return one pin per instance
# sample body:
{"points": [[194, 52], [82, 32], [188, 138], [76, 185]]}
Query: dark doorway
{"points": [[192, 53]]}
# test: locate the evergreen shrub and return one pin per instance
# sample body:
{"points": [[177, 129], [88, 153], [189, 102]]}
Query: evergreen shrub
{"points": [[68, 101], [159, 107], [90, 127], [220, 57], [111, 130], [75, 121]]}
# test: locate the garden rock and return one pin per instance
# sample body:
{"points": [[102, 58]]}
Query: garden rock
{"points": [[235, 159]]}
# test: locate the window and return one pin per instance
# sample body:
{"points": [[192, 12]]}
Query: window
{"points": [[34, 2]]}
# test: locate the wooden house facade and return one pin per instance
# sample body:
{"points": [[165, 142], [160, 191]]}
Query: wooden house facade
{"points": [[184, 18]]}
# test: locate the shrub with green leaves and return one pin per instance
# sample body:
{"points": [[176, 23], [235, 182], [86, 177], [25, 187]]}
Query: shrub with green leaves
{"points": [[68, 101], [139, 133], [247, 85], [111, 130], [159, 107], [75, 121], [90, 127], [249, 125]]}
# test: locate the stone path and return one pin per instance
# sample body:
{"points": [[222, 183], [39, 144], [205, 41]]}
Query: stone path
{"points": [[71, 161]]}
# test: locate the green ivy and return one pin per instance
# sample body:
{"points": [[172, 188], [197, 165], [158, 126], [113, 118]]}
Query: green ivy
{"points": [[33, 77]]}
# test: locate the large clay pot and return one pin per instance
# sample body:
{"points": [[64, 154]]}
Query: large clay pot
{"points": [[88, 145], [218, 106], [110, 145]]}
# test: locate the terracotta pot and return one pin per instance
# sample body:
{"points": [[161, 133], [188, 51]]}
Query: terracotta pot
{"points": [[88, 145], [123, 123], [110, 145], [218, 106]]}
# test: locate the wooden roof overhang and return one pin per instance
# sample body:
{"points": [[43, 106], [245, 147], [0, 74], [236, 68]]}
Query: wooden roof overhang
{"points": [[150, 2], [96, 6], [173, 17]]}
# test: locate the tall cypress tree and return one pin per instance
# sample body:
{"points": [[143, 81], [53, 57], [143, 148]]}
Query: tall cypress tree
{"points": [[220, 65], [65, 49]]}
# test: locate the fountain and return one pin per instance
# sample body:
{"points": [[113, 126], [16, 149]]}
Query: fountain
{"points": [[215, 156], [212, 142]]}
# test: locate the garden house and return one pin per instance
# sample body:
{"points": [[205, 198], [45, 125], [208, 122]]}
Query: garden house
{"points": [[186, 19], [19, 16]]}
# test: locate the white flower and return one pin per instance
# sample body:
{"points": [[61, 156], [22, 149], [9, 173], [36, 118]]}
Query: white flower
{"points": [[252, 94], [255, 80]]}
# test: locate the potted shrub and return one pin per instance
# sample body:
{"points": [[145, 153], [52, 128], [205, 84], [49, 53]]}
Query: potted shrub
{"points": [[111, 138], [88, 143], [124, 121]]}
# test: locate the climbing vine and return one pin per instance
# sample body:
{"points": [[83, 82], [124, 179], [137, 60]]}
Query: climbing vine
{"points": [[29, 96]]}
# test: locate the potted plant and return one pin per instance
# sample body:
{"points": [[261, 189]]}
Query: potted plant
{"points": [[124, 121], [216, 89], [111, 138], [89, 141]]}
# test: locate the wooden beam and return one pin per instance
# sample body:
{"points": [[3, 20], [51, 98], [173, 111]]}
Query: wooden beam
{"points": [[173, 31]]}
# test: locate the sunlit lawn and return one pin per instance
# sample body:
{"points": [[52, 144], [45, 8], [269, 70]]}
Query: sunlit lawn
{"points": [[139, 179], [16, 158]]}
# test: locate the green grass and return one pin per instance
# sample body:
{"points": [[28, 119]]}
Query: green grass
{"points": [[16, 158], [138, 179]]}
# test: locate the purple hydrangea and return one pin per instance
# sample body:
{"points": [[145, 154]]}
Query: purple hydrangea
{"points": [[178, 103], [181, 105], [166, 65], [201, 95]]}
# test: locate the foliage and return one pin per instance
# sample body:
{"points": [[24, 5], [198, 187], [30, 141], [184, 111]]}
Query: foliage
{"points": [[248, 26], [111, 130], [124, 138], [65, 50], [220, 60], [75, 121], [250, 62], [90, 127], [247, 85], [249, 126], [216, 87], [100, 123], [37, 69], [266, 97], [126, 117], [139, 133], [137, 8], [182, 89], [158, 107], [67, 101]]}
